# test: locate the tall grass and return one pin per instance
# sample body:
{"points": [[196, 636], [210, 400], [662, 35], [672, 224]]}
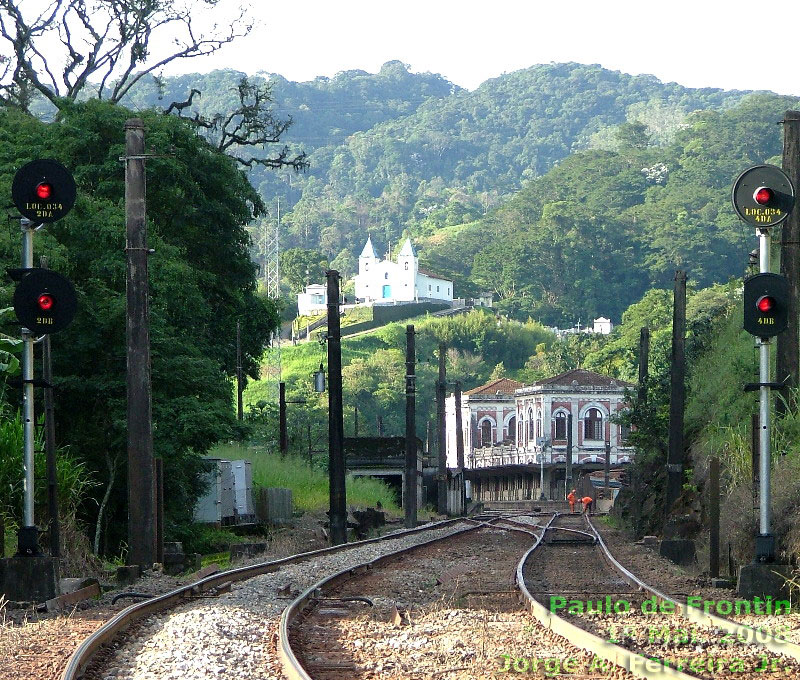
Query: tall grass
{"points": [[309, 485]]}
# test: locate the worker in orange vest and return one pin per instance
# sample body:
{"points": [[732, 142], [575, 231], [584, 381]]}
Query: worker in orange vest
{"points": [[571, 499], [587, 505]]}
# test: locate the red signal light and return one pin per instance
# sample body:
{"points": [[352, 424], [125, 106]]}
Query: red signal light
{"points": [[765, 304], [45, 302], [763, 195], [44, 190]]}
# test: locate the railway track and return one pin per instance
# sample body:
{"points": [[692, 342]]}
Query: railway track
{"points": [[575, 586], [436, 602], [225, 621]]}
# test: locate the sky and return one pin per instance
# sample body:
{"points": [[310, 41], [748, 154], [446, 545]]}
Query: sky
{"points": [[730, 44]]}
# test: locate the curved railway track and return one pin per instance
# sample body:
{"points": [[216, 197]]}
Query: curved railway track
{"points": [[447, 607], [577, 588], [109, 651]]}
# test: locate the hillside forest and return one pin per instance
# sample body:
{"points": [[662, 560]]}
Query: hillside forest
{"points": [[568, 191]]}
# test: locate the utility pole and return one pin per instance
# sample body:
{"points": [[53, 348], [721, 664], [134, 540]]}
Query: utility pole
{"points": [[411, 432], [141, 491], [336, 467], [441, 432], [568, 472], [644, 362], [677, 393], [239, 382], [460, 449], [284, 438], [713, 512], [787, 351], [50, 441]]}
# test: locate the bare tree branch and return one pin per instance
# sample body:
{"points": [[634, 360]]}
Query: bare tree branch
{"points": [[102, 42], [251, 124]]}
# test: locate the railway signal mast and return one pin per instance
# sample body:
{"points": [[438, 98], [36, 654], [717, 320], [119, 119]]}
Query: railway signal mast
{"points": [[43, 191], [763, 196]]}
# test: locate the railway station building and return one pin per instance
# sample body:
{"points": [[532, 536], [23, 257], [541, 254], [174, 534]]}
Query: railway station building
{"points": [[515, 436]]}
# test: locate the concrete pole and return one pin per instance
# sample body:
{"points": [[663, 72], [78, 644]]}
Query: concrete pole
{"points": [[441, 432], [336, 467], [50, 443], [283, 434], [460, 447], [239, 377], [787, 351], [568, 474], [713, 512], [141, 488], [410, 509], [677, 394]]}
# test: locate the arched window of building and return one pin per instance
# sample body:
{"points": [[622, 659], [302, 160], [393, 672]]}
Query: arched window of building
{"points": [[538, 424], [486, 433], [386, 275], [406, 267], [512, 427], [593, 424], [531, 424], [624, 433], [561, 426]]}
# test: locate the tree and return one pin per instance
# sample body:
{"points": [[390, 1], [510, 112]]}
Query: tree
{"points": [[201, 282], [300, 267], [103, 45]]}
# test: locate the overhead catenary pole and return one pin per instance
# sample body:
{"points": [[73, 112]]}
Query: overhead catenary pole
{"points": [[336, 467], [787, 351], [441, 432], [677, 393], [410, 509], [141, 488]]}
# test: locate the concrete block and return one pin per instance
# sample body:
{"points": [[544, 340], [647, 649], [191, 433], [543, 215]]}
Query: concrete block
{"points": [[244, 550], [723, 583], [678, 550], [30, 578], [764, 580], [274, 506], [651, 542], [128, 575]]}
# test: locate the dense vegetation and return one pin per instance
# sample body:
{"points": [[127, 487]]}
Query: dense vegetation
{"points": [[201, 282], [566, 189]]}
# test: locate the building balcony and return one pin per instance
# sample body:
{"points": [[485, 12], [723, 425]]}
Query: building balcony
{"points": [[499, 456]]}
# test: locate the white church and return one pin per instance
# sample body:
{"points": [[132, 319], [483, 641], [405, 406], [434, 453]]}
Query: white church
{"points": [[385, 282]]}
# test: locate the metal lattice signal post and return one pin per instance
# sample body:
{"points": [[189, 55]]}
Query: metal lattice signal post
{"points": [[272, 278]]}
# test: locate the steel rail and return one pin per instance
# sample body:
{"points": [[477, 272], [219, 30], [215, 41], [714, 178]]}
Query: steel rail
{"points": [[744, 633], [290, 664], [638, 665], [85, 652]]}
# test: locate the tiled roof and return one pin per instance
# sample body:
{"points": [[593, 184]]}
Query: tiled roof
{"points": [[580, 377], [428, 272], [502, 385]]}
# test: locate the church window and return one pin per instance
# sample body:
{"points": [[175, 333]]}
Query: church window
{"points": [[406, 266], [437, 289], [366, 266], [429, 287], [386, 275]]}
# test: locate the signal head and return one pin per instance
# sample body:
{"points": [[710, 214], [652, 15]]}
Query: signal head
{"points": [[766, 303], [763, 195], [45, 302]]}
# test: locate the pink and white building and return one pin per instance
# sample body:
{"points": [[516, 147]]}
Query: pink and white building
{"points": [[516, 437]]}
